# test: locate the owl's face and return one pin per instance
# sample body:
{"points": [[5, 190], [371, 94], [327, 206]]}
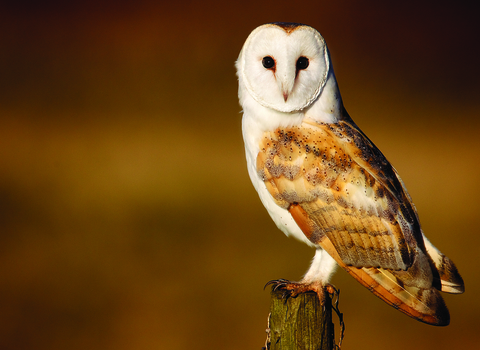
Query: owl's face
{"points": [[284, 67]]}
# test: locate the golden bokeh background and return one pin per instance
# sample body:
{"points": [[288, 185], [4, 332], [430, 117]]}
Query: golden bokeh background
{"points": [[127, 217]]}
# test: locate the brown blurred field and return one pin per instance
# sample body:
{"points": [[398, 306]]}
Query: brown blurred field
{"points": [[126, 214]]}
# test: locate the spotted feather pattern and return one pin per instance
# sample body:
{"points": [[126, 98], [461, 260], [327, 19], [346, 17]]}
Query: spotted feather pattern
{"points": [[346, 197]]}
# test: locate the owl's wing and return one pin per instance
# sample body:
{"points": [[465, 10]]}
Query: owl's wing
{"points": [[347, 198]]}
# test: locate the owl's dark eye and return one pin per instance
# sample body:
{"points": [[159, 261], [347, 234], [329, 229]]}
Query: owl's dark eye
{"points": [[302, 63], [268, 62]]}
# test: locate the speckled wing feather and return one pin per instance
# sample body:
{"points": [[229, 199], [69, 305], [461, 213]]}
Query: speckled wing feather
{"points": [[346, 197]]}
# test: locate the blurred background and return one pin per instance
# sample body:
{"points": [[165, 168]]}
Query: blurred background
{"points": [[127, 218]]}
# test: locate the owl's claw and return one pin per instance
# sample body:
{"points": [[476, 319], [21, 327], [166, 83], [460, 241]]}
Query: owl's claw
{"points": [[277, 284], [293, 289], [284, 285]]}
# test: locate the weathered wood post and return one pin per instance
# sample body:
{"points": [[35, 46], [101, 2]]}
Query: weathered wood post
{"points": [[300, 323]]}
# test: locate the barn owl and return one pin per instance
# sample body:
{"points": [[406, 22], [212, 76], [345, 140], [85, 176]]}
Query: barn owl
{"points": [[325, 183]]}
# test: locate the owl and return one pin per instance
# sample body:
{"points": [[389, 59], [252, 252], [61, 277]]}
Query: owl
{"points": [[325, 183]]}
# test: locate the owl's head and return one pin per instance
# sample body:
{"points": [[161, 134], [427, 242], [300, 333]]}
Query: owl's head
{"points": [[284, 66]]}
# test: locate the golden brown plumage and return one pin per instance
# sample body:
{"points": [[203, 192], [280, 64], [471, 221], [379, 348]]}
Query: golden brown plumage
{"points": [[346, 197]]}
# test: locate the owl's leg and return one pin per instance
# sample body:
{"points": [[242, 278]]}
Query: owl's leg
{"points": [[315, 280], [321, 268]]}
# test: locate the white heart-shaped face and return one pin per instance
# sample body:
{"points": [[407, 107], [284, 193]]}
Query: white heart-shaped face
{"points": [[300, 66]]}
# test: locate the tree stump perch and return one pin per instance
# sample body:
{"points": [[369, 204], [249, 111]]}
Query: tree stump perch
{"points": [[300, 323]]}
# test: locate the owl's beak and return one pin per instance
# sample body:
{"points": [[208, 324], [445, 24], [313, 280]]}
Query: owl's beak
{"points": [[286, 83], [286, 89]]}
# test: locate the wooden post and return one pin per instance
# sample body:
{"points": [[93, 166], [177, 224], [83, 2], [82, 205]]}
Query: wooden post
{"points": [[300, 323]]}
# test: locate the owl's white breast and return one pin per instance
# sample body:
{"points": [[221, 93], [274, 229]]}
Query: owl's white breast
{"points": [[254, 125]]}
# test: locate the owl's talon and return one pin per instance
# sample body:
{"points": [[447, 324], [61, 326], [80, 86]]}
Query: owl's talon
{"points": [[276, 284], [294, 289]]}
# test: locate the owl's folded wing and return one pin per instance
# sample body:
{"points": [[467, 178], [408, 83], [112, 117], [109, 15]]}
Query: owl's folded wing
{"points": [[347, 198]]}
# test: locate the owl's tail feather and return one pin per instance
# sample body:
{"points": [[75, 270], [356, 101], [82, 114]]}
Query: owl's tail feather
{"points": [[424, 305], [448, 279]]}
